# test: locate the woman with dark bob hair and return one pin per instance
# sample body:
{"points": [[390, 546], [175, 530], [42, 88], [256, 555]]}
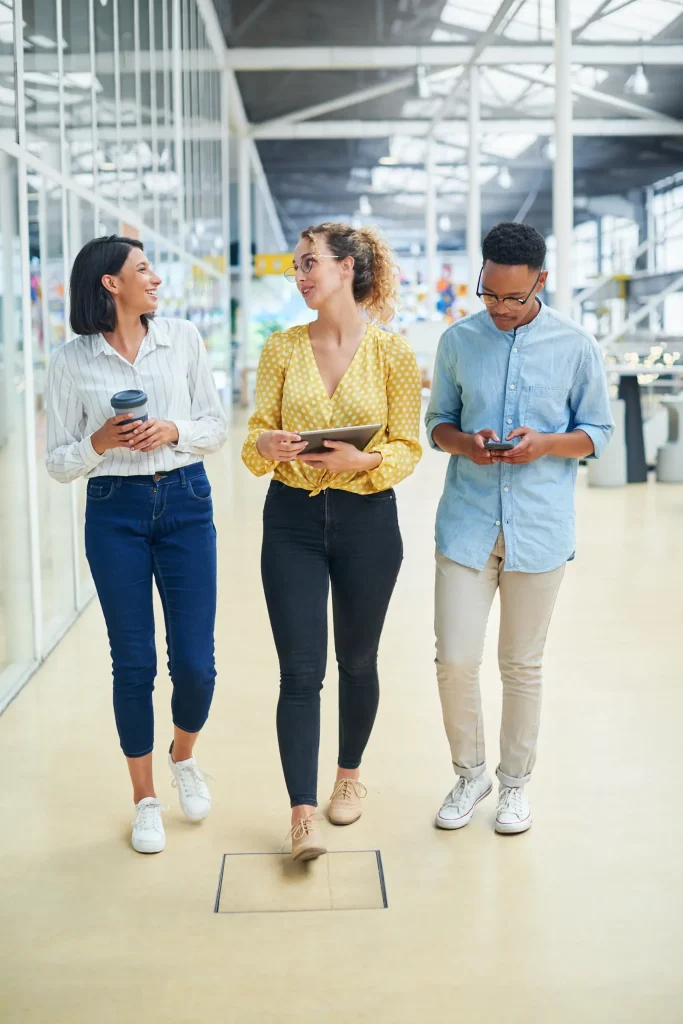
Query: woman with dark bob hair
{"points": [[149, 514]]}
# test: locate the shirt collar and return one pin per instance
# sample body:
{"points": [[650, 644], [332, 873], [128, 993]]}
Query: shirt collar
{"points": [[154, 337], [525, 328]]}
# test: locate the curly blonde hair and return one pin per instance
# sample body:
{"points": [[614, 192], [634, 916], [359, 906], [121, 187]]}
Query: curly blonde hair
{"points": [[375, 287]]}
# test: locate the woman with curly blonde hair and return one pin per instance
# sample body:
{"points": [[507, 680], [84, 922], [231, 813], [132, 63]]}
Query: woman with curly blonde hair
{"points": [[330, 519]]}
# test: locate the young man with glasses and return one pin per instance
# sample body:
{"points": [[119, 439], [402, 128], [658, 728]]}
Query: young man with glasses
{"points": [[522, 372]]}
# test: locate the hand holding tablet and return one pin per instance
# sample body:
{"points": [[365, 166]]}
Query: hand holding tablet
{"points": [[359, 437]]}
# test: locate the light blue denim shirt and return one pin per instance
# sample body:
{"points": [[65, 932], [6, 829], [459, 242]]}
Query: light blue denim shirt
{"points": [[548, 375]]}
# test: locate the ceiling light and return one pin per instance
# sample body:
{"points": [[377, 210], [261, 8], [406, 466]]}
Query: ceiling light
{"points": [[424, 89], [364, 207], [415, 249], [444, 223], [505, 178], [638, 84], [388, 161]]}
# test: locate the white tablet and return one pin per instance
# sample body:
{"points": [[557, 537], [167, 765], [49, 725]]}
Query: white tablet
{"points": [[359, 437]]}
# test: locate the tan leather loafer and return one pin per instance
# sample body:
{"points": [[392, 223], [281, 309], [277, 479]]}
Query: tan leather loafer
{"points": [[345, 801], [307, 842]]}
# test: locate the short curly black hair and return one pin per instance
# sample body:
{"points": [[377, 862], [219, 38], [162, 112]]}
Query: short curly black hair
{"points": [[515, 245]]}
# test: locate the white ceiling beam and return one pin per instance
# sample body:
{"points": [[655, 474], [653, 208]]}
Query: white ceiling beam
{"points": [[349, 99], [326, 58], [191, 60], [585, 126], [595, 94], [405, 81], [509, 126]]}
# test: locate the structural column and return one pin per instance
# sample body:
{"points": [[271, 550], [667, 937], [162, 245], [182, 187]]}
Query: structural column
{"points": [[474, 194], [178, 139], [226, 226], [431, 239], [563, 170], [244, 192]]}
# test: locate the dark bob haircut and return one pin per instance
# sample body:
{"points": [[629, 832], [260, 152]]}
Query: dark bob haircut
{"points": [[515, 245], [92, 307]]}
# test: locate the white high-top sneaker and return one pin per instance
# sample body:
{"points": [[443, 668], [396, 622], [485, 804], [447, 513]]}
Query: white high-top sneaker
{"points": [[148, 828], [513, 813], [458, 807]]}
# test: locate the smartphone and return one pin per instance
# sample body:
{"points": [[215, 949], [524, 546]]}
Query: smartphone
{"points": [[498, 446]]}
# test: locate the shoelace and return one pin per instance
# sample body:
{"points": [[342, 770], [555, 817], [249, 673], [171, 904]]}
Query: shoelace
{"points": [[510, 799], [344, 789], [190, 775], [461, 790], [149, 816], [302, 828]]}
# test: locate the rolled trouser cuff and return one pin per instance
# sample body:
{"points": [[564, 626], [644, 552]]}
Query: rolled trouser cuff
{"points": [[469, 773], [511, 780]]}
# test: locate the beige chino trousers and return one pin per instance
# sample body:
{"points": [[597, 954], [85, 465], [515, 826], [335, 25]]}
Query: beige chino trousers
{"points": [[463, 602]]}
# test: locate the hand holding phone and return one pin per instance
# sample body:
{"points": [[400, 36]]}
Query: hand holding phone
{"points": [[498, 446]]}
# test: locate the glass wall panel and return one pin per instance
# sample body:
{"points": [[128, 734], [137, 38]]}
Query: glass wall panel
{"points": [[115, 102], [107, 105], [41, 80], [16, 618], [49, 331], [7, 93]]}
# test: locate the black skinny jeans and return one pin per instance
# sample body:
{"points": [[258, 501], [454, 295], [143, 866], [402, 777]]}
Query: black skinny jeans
{"points": [[352, 542]]}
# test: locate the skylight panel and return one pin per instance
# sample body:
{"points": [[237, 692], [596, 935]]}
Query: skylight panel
{"points": [[642, 19], [421, 109], [447, 35], [536, 21], [469, 14]]}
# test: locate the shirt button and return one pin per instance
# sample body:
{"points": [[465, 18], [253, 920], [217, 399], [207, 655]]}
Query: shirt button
{"points": [[515, 350], [506, 489], [512, 387], [497, 522], [509, 421]]}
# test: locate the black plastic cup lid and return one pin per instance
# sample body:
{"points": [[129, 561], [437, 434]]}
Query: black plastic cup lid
{"points": [[128, 399]]}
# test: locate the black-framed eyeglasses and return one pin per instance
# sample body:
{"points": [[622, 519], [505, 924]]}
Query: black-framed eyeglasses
{"points": [[510, 302], [307, 263]]}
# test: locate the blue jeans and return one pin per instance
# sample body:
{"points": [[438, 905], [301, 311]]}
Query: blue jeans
{"points": [[158, 527], [352, 543]]}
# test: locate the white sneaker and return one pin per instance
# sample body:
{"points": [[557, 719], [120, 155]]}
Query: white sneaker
{"points": [[148, 828], [513, 813], [188, 779], [458, 807]]}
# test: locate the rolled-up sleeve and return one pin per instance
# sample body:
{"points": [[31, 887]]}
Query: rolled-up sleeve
{"points": [[445, 403], [70, 453], [206, 431], [400, 448], [589, 401]]}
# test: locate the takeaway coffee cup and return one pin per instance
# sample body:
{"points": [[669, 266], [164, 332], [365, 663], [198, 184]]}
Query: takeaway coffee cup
{"points": [[134, 402]]}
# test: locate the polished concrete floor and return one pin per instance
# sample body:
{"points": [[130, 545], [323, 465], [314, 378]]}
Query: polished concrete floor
{"points": [[579, 919]]}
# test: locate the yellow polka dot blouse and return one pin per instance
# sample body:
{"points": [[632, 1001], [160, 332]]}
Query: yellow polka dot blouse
{"points": [[381, 385]]}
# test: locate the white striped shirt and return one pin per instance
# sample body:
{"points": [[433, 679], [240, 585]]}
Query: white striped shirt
{"points": [[172, 367]]}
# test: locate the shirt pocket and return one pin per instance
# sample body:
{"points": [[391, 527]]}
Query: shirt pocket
{"points": [[547, 410]]}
